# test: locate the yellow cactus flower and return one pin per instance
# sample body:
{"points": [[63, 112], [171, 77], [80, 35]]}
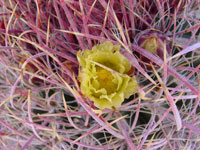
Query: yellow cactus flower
{"points": [[104, 76]]}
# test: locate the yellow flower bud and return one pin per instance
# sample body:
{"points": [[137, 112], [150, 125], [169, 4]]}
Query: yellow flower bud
{"points": [[104, 76]]}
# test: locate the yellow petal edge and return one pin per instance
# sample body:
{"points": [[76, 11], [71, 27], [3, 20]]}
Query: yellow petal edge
{"points": [[103, 76]]}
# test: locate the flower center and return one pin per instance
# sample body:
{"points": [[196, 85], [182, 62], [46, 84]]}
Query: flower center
{"points": [[105, 79]]}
